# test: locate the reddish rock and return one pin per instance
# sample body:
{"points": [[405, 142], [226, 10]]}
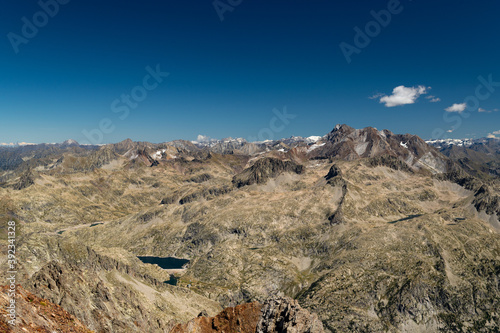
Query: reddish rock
{"points": [[240, 319], [36, 314], [276, 315]]}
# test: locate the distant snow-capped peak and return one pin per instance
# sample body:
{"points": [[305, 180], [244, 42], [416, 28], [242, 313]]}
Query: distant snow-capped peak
{"points": [[450, 142], [203, 140], [313, 138], [70, 142], [12, 144]]}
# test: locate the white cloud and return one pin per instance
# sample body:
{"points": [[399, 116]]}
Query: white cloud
{"points": [[433, 99], [493, 135], [402, 95], [457, 107], [376, 96], [488, 111], [203, 138], [450, 130]]}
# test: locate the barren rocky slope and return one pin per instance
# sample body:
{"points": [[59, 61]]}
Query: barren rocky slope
{"points": [[277, 314], [37, 315], [370, 230]]}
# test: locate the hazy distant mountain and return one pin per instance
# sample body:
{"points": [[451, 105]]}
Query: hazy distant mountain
{"points": [[480, 157]]}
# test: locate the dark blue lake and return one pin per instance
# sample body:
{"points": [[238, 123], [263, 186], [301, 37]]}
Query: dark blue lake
{"points": [[166, 262]]}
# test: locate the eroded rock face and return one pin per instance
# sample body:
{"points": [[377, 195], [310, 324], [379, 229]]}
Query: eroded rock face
{"points": [[276, 315], [484, 200], [285, 315], [26, 180], [241, 318], [36, 314], [390, 162], [264, 169]]}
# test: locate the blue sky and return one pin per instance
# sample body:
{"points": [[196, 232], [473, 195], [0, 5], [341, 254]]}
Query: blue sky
{"points": [[226, 76]]}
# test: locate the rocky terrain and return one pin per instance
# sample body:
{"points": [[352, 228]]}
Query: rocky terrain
{"points": [[37, 315], [277, 314], [241, 318], [367, 230]]}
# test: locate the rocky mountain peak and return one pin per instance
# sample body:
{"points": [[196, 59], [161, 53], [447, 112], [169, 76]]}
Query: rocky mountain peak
{"points": [[347, 143], [339, 132]]}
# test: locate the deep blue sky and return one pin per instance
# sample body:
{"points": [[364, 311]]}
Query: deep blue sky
{"points": [[227, 76]]}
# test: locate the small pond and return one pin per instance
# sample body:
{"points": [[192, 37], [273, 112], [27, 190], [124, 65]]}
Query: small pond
{"points": [[172, 281]]}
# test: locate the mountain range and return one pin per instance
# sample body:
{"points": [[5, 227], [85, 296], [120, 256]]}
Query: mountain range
{"points": [[359, 230]]}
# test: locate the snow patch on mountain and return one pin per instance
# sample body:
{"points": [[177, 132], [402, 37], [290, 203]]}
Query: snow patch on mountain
{"points": [[315, 146]]}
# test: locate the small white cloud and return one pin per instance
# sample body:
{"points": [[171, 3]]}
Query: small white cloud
{"points": [[378, 95], [488, 111], [402, 95], [493, 135], [433, 99], [450, 130], [457, 107], [203, 138]]}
